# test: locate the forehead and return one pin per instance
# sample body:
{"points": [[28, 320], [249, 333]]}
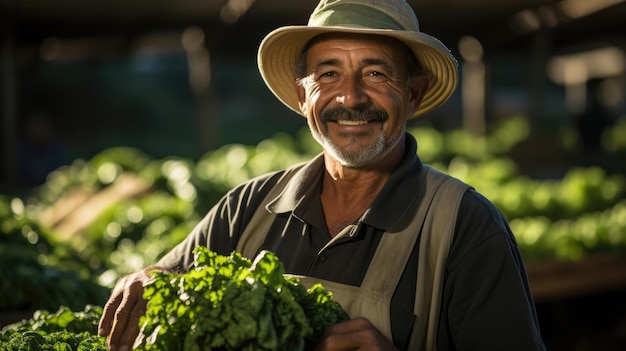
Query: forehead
{"points": [[373, 41]]}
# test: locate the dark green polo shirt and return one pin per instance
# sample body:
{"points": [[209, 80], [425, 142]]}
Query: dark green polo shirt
{"points": [[486, 303]]}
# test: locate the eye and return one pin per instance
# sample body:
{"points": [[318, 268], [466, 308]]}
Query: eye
{"points": [[376, 76], [327, 77]]}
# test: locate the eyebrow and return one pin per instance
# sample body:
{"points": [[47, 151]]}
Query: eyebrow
{"points": [[324, 63], [368, 62], [378, 62]]}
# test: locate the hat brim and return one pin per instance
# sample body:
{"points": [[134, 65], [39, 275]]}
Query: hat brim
{"points": [[280, 50]]}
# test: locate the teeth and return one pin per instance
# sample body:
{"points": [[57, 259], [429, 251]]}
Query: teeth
{"points": [[351, 123]]}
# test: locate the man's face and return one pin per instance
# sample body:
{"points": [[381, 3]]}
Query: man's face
{"points": [[357, 96]]}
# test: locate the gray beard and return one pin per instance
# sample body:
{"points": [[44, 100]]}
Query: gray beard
{"points": [[360, 158]]}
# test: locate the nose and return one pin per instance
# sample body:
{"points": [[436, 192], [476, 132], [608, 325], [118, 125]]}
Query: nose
{"points": [[352, 92]]}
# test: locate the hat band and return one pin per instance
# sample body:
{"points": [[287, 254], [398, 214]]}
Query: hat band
{"points": [[354, 15]]}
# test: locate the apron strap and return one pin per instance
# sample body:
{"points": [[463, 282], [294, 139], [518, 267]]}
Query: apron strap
{"points": [[256, 230], [395, 247], [438, 230]]}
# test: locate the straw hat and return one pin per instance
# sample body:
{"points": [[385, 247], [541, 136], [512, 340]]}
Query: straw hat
{"points": [[281, 48]]}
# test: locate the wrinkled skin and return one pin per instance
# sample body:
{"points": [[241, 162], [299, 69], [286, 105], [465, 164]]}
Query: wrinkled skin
{"points": [[357, 96], [120, 318]]}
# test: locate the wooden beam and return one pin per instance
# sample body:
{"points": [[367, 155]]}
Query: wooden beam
{"points": [[550, 281]]}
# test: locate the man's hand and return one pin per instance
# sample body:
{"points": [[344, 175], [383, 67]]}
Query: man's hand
{"points": [[120, 318], [355, 334]]}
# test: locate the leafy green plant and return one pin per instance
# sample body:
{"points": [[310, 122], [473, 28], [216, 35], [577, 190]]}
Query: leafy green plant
{"points": [[228, 303], [63, 330]]}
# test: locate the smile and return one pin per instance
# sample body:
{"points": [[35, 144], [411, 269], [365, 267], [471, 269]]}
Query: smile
{"points": [[345, 122]]}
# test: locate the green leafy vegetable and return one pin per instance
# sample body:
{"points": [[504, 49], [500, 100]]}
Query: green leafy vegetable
{"points": [[63, 330], [228, 303]]}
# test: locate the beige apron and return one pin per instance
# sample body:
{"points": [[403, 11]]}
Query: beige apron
{"points": [[373, 298]]}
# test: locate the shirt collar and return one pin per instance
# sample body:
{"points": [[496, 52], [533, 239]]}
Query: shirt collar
{"points": [[305, 183]]}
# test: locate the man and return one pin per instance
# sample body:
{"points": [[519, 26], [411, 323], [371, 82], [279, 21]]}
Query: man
{"points": [[358, 217]]}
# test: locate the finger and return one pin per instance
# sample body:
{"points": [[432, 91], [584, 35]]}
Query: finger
{"points": [[336, 342], [349, 326], [355, 334], [341, 336], [125, 324], [132, 327], [108, 313]]}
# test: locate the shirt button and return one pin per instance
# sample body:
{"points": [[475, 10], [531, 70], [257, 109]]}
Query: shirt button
{"points": [[322, 258]]}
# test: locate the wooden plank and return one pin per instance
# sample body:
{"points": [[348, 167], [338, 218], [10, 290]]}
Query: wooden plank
{"points": [[551, 280], [78, 209]]}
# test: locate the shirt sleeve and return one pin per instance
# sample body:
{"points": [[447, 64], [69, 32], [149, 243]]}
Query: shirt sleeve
{"points": [[222, 226], [487, 299]]}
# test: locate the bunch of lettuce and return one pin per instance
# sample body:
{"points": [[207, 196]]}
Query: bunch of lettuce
{"points": [[229, 303], [63, 330]]}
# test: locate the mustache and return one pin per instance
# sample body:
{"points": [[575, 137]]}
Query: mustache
{"points": [[342, 113]]}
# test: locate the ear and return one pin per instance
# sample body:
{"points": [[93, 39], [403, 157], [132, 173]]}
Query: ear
{"points": [[301, 95], [417, 88]]}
